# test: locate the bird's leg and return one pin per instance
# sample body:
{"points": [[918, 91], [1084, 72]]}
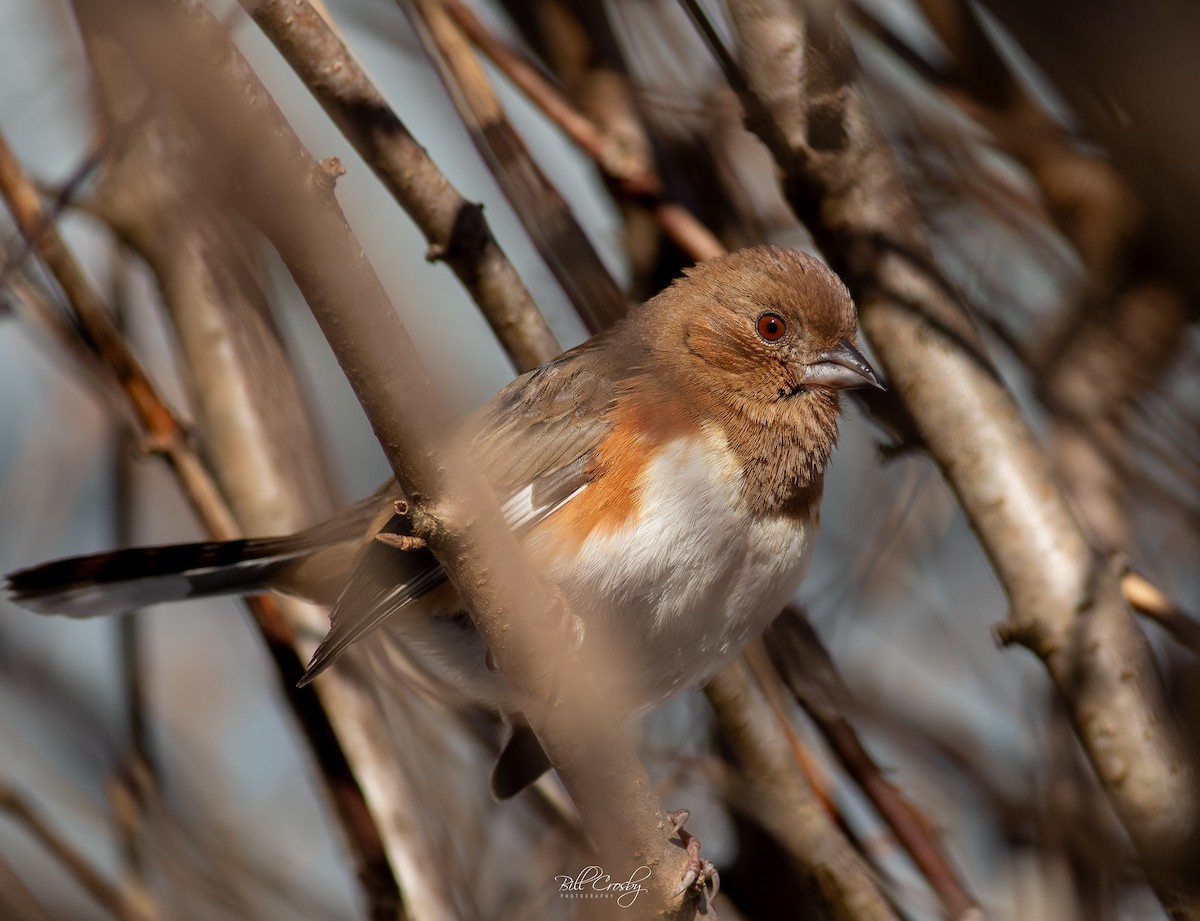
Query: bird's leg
{"points": [[697, 873]]}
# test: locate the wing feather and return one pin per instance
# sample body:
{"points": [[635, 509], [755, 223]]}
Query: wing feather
{"points": [[534, 441]]}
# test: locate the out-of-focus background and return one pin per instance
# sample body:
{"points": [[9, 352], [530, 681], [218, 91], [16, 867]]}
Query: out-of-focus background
{"points": [[1064, 242]]}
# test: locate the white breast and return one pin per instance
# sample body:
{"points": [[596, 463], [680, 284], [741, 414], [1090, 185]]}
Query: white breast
{"points": [[694, 578]]}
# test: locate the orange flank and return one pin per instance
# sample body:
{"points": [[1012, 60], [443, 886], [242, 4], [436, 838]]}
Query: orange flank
{"points": [[613, 495]]}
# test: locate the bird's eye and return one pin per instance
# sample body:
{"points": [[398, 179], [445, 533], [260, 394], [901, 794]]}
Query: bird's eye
{"points": [[771, 327]]}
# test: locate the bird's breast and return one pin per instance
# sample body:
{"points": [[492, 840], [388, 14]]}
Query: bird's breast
{"points": [[678, 569]]}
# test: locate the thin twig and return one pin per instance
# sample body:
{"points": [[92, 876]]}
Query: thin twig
{"points": [[138, 767], [1149, 600], [811, 674], [628, 176], [290, 197], [545, 214], [76, 864], [31, 304], [167, 435], [456, 230]]}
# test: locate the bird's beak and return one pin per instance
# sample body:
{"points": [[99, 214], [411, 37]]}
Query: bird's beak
{"points": [[841, 368]]}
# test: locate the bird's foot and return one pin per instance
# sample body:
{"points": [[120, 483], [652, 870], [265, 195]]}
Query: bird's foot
{"points": [[698, 873]]}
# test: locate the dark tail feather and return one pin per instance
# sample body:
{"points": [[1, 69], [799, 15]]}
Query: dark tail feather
{"points": [[522, 760], [123, 580]]}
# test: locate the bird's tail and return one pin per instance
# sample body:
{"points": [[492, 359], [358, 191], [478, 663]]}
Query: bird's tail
{"points": [[123, 580]]}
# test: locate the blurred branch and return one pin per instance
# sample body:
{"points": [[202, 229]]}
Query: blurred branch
{"points": [[31, 304], [1126, 77], [1109, 344], [812, 676], [773, 792], [16, 897], [456, 230], [101, 148], [612, 71], [1149, 600], [545, 214], [138, 768], [1116, 353], [630, 177], [1084, 194], [72, 861], [167, 436], [291, 197], [101, 336], [1066, 601], [257, 431]]}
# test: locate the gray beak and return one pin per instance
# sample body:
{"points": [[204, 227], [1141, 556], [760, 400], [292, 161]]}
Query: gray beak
{"points": [[841, 368]]}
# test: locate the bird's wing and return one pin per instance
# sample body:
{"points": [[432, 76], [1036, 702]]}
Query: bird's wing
{"points": [[534, 441]]}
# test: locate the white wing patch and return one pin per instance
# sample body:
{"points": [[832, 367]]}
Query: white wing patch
{"points": [[521, 513]]}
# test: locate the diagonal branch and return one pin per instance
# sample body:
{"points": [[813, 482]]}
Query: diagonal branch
{"points": [[780, 798], [545, 214], [630, 177], [812, 676], [1066, 603], [117, 901], [291, 198], [456, 230], [163, 430]]}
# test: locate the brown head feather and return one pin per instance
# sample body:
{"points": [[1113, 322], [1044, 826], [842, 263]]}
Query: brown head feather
{"points": [[714, 366]]}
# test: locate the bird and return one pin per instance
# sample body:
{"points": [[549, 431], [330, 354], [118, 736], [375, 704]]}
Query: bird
{"points": [[665, 478]]}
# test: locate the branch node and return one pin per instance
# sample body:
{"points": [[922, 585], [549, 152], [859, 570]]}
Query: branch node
{"points": [[403, 542], [1021, 632], [332, 167], [152, 444]]}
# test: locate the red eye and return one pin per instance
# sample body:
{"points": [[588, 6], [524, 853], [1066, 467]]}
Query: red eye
{"points": [[771, 327]]}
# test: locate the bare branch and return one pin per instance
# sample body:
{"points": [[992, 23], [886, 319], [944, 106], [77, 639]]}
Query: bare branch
{"points": [[16, 897], [455, 228], [812, 676], [547, 217], [1066, 601], [1149, 600], [166, 433], [451, 508], [778, 797], [629, 176], [71, 860]]}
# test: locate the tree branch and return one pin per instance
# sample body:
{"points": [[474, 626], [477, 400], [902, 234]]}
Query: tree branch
{"points": [[166, 434], [1066, 600], [71, 860], [456, 230], [779, 798], [812, 676], [545, 214], [291, 197], [629, 177]]}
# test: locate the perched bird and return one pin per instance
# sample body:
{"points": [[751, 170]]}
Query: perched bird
{"points": [[665, 478]]}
